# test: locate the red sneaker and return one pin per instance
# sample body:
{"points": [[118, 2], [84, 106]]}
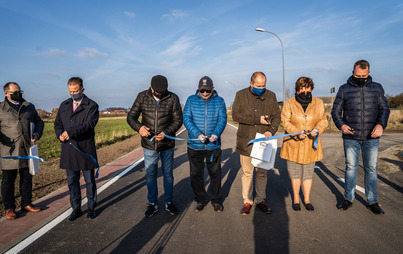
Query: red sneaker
{"points": [[263, 207], [246, 209]]}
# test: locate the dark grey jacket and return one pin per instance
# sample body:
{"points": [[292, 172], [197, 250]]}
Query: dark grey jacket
{"points": [[361, 108], [15, 135], [165, 117]]}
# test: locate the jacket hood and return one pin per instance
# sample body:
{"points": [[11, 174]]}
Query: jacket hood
{"points": [[350, 81]]}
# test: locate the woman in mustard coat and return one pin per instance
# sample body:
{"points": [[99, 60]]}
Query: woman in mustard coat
{"points": [[302, 113]]}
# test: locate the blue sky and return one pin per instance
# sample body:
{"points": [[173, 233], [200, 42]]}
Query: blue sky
{"points": [[117, 46]]}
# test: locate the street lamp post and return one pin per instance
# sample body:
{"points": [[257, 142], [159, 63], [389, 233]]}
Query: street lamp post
{"points": [[282, 51]]}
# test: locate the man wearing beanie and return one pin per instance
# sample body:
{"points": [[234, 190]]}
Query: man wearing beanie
{"points": [[161, 113], [205, 118]]}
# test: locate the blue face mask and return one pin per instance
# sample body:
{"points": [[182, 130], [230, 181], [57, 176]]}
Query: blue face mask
{"points": [[77, 96], [258, 91]]}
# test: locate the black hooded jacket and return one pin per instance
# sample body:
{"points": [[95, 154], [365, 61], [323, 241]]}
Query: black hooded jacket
{"points": [[166, 116], [361, 108]]}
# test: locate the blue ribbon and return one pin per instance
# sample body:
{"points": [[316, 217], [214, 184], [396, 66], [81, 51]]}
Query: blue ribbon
{"points": [[175, 138], [191, 139], [24, 157], [89, 155], [315, 143]]}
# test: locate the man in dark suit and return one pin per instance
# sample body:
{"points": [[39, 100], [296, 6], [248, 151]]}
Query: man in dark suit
{"points": [[74, 126], [16, 114]]}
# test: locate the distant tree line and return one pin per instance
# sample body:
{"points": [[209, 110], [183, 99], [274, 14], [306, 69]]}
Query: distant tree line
{"points": [[395, 101]]}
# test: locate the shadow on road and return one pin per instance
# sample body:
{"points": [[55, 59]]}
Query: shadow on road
{"points": [[147, 229], [272, 231], [321, 171]]}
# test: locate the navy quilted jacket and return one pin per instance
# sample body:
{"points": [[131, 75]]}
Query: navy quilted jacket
{"points": [[361, 108], [206, 117]]}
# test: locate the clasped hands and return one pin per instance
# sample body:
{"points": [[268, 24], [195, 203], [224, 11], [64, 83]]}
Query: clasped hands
{"points": [[313, 133], [64, 136], [203, 138], [376, 132], [144, 132]]}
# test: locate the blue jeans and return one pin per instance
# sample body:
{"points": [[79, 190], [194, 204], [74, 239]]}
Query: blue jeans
{"points": [[352, 150], [151, 164]]}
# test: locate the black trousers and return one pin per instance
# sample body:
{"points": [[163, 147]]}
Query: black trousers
{"points": [[73, 181], [197, 160], [8, 187]]}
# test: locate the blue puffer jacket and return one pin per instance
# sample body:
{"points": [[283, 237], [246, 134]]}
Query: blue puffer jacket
{"points": [[208, 117], [361, 108]]}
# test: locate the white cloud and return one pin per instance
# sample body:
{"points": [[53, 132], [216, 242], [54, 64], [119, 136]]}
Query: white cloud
{"points": [[54, 52], [184, 46], [175, 14], [130, 14], [90, 53]]}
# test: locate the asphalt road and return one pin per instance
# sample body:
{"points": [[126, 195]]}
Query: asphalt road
{"points": [[122, 228]]}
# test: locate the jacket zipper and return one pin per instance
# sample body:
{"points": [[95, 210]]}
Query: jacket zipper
{"points": [[155, 122], [205, 121], [362, 113]]}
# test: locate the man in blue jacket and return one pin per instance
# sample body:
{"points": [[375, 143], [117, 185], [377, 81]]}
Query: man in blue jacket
{"points": [[361, 112], [205, 118]]}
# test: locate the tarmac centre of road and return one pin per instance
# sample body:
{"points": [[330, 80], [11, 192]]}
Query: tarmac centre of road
{"points": [[122, 228]]}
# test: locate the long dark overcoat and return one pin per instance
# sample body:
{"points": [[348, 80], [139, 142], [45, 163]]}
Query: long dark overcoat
{"points": [[15, 136], [80, 126]]}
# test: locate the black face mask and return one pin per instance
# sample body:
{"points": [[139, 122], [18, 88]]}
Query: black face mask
{"points": [[360, 81], [17, 96], [159, 95]]}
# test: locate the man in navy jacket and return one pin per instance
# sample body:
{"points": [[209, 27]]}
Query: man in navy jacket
{"points": [[205, 118], [361, 112], [74, 125]]}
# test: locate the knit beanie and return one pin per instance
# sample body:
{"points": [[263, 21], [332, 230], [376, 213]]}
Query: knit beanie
{"points": [[159, 84]]}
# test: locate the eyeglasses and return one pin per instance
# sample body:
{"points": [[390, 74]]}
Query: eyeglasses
{"points": [[205, 91], [305, 93], [16, 92]]}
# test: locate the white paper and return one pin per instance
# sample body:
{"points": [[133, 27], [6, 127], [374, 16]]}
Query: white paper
{"points": [[33, 163], [264, 153]]}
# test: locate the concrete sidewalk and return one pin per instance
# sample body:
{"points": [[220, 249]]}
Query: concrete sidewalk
{"points": [[14, 231]]}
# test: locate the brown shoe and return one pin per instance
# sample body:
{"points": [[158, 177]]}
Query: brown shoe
{"points": [[263, 207], [30, 208], [10, 214], [246, 209]]}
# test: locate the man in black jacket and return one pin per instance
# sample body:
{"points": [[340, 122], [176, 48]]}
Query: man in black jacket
{"points": [[361, 112], [74, 127], [161, 113]]}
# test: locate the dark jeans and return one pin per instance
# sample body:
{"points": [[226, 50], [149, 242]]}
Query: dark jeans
{"points": [[73, 181], [196, 161], [8, 185]]}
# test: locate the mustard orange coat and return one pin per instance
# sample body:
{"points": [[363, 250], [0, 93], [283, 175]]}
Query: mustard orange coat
{"points": [[294, 119]]}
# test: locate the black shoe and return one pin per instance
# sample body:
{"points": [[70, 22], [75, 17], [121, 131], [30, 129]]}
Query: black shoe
{"points": [[345, 204], [376, 209], [75, 214], [309, 207], [296, 207], [151, 210], [171, 208], [218, 207], [199, 207], [91, 214]]}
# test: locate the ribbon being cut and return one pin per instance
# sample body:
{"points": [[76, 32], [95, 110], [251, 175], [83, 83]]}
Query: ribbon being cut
{"points": [[315, 143], [191, 139], [264, 149]]}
